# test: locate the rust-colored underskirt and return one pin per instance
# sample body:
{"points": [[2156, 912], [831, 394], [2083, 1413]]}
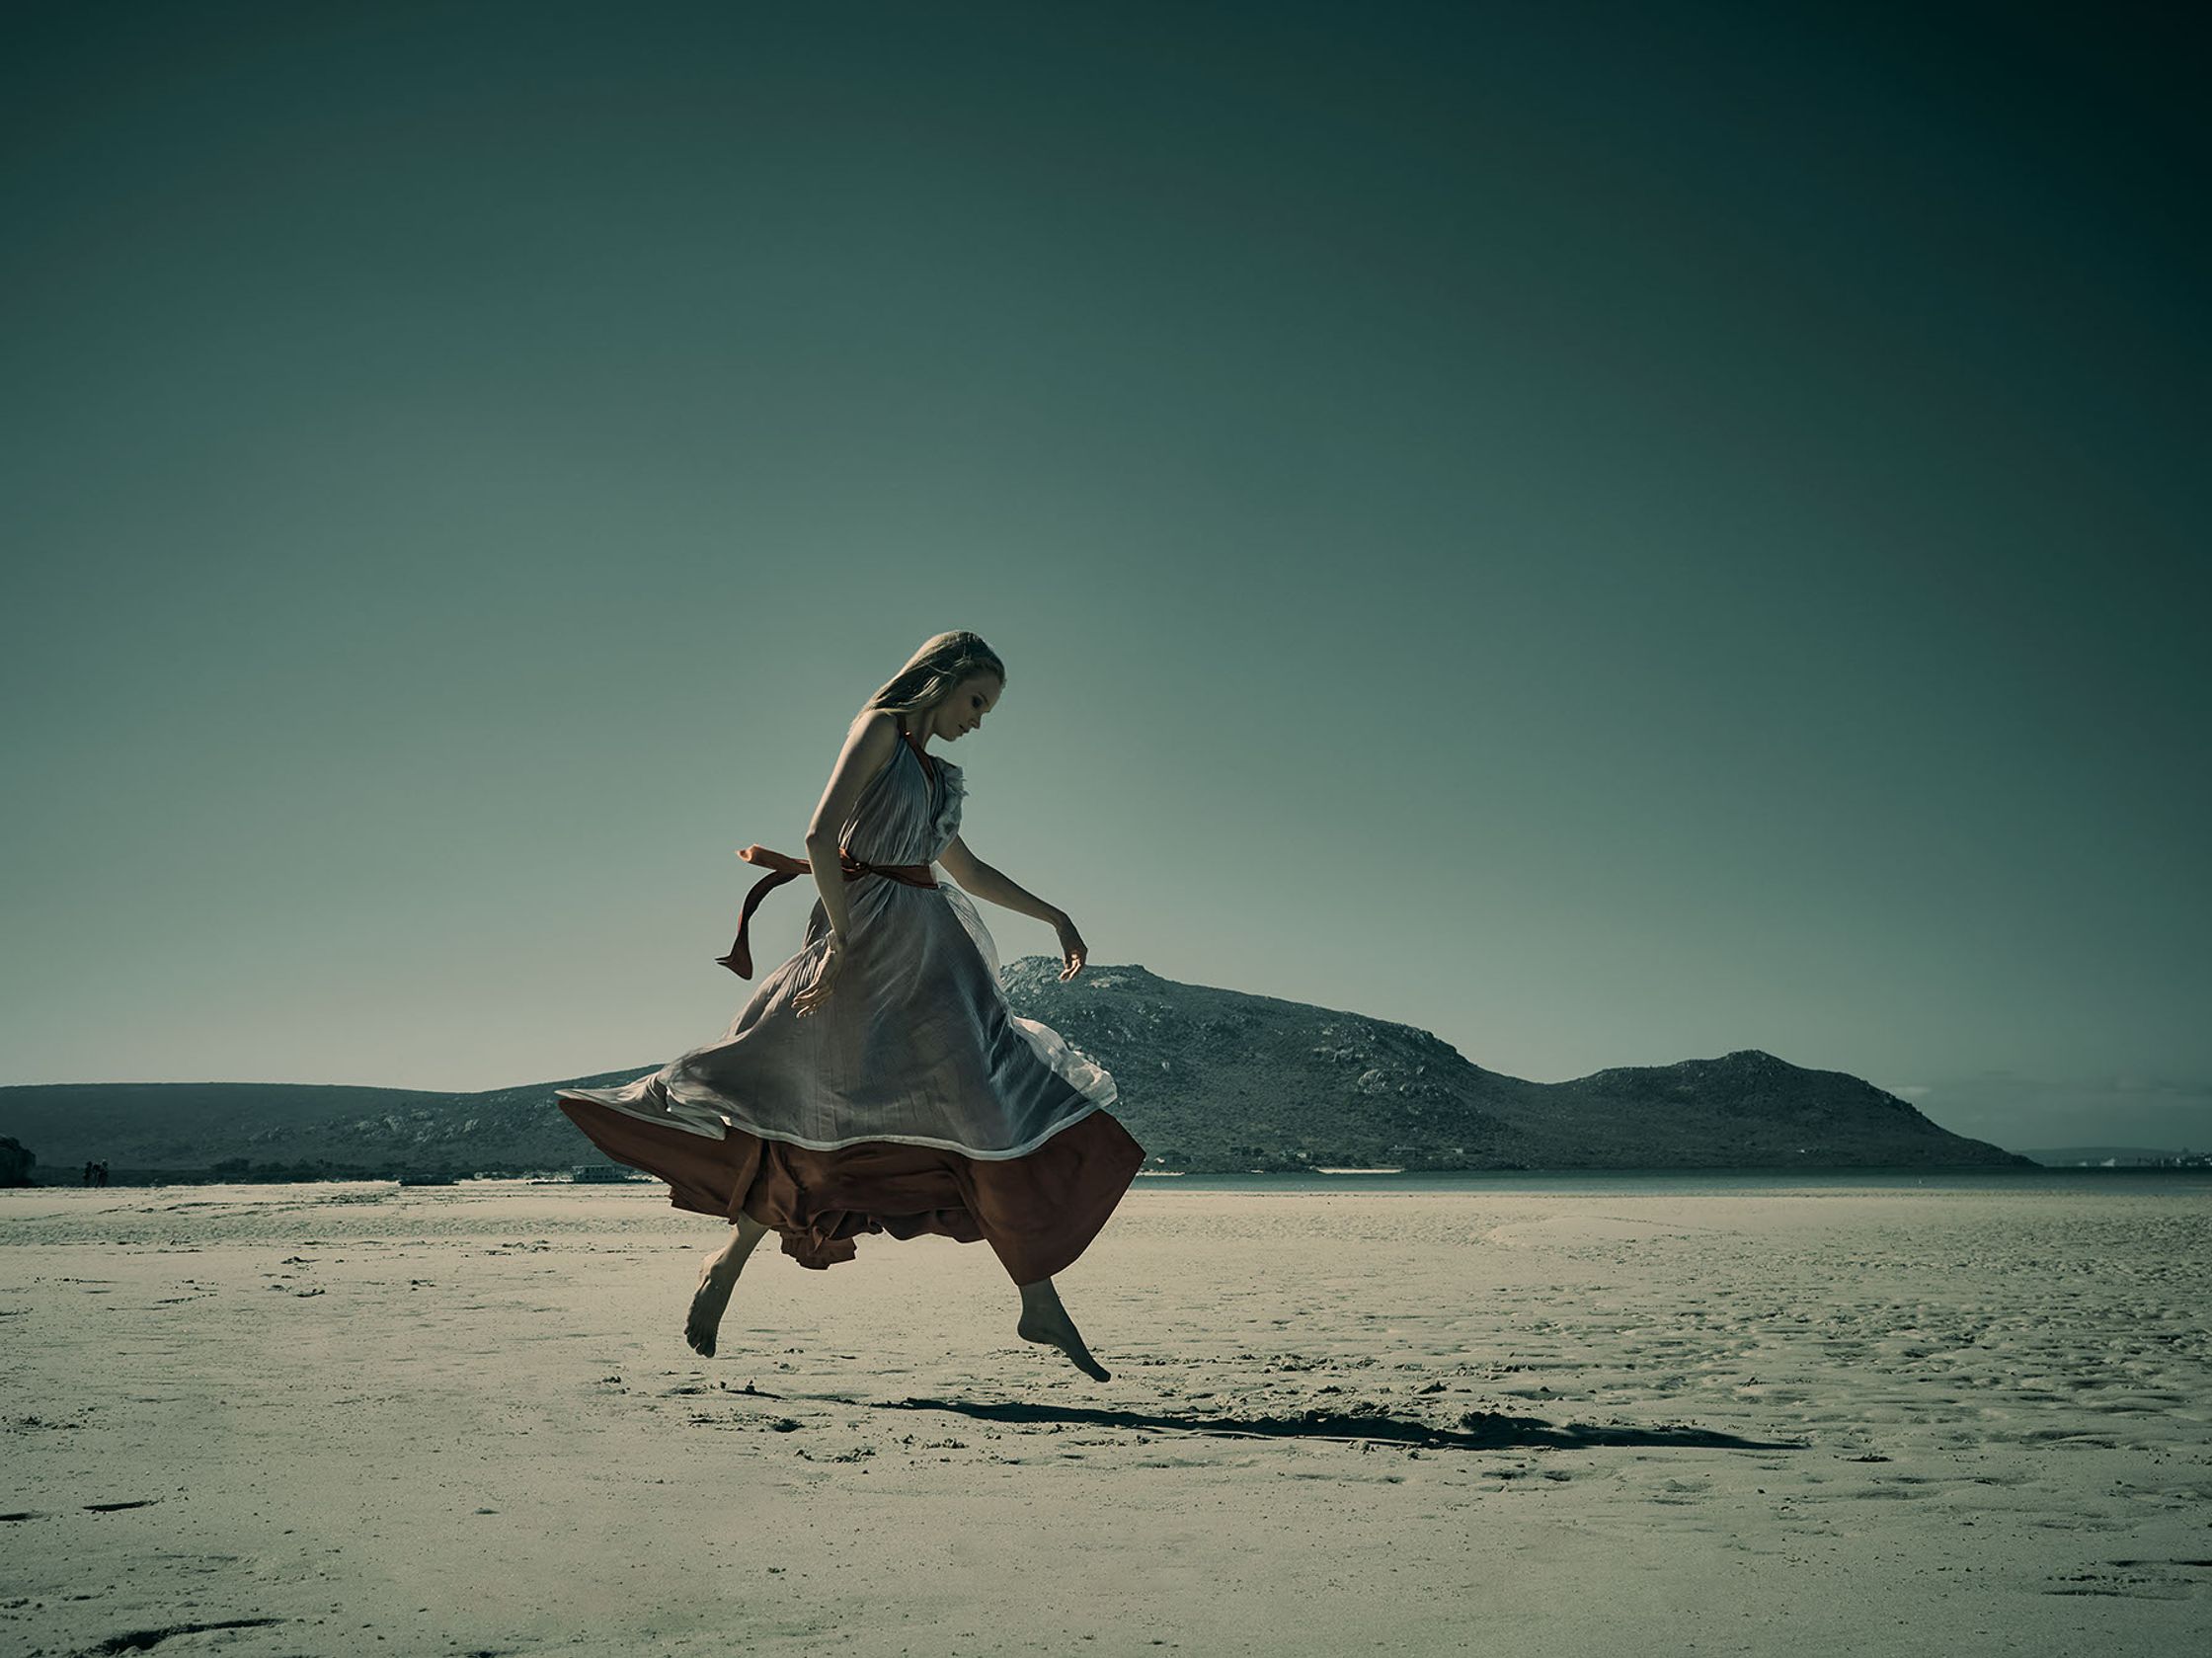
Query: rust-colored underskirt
{"points": [[1037, 1212]]}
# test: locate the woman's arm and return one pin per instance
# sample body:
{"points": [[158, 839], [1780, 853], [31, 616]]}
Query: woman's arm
{"points": [[985, 882], [868, 747]]}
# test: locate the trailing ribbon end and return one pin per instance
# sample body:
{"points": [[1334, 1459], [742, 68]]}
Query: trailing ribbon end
{"points": [[782, 868]]}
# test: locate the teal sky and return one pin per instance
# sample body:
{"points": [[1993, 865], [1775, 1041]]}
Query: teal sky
{"points": [[1614, 534]]}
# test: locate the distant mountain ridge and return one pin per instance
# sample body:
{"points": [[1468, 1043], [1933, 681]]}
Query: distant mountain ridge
{"points": [[1223, 1080], [1211, 1080]]}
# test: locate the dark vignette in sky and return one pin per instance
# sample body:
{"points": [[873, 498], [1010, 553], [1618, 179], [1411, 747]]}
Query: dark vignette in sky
{"points": [[1611, 533]]}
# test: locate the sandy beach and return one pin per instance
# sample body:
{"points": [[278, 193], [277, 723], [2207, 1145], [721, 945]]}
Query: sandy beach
{"points": [[327, 1419]]}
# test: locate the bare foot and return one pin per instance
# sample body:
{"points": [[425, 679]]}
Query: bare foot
{"points": [[1051, 1326], [716, 1279]]}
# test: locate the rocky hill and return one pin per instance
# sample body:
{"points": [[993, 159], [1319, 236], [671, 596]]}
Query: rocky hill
{"points": [[1220, 1080], [1211, 1080]]}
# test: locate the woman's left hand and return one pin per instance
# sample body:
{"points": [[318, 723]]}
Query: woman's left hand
{"points": [[1073, 951]]}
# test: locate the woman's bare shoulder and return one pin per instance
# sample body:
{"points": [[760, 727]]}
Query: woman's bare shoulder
{"points": [[878, 727], [871, 742], [872, 737]]}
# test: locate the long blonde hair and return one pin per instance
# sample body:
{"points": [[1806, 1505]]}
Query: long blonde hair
{"points": [[932, 671]]}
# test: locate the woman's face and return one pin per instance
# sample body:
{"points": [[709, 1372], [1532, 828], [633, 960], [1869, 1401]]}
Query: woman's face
{"points": [[963, 710]]}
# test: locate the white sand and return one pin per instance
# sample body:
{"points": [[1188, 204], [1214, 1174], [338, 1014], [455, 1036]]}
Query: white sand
{"points": [[429, 1421]]}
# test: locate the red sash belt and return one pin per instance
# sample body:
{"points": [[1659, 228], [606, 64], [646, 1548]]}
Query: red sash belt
{"points": [[784, 867]]}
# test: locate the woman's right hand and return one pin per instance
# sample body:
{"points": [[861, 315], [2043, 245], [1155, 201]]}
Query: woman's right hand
{"points": [[810, 999]]}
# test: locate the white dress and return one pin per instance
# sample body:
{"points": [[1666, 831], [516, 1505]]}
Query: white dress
{"points": [[914, 1044]]}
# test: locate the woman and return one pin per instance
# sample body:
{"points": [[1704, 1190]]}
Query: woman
{"points": [[877, 1080]]}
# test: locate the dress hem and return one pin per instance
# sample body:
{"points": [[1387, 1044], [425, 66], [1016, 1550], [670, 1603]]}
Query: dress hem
{"points": [[1038, 1213]]}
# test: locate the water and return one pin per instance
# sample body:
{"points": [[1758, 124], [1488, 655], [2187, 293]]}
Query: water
{"points": [[1684, 1181]]}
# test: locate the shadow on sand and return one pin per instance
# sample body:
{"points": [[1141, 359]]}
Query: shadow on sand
{"points": [[1479, 1430]]}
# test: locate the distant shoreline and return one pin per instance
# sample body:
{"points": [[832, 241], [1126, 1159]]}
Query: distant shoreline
{"points": [[1760, 1177]]}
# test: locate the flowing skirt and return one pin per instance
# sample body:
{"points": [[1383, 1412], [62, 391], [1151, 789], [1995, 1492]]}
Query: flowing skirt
{"points": [[1038, 1212]]}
